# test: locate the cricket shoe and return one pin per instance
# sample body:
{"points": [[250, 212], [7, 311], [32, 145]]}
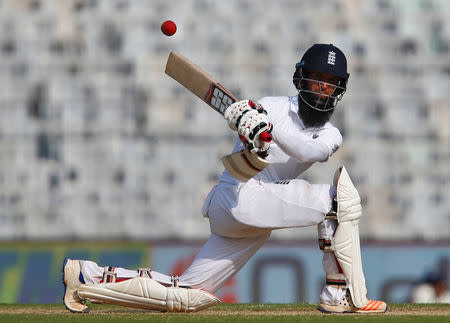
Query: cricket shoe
{"points": [[346, 306], [71, 272]]}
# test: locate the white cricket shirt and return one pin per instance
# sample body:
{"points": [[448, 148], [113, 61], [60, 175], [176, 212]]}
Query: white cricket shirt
{"points": [[294, 148]]}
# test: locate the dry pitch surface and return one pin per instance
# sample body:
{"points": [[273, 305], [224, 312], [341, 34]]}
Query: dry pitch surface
{"points": [[223, 313]]}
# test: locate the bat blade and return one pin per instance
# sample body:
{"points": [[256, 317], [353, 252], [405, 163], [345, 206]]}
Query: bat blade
{"points": [[241, 164], [196, 80]]}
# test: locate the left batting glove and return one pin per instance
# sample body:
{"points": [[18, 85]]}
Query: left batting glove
{"points": [[252, 124]]}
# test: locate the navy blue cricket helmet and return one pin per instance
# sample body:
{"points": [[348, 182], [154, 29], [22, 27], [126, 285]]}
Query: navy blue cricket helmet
{"points": [[324, 58]]}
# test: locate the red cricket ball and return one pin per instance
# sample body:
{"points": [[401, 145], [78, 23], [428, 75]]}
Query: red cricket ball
{"points": [[168, 28]]}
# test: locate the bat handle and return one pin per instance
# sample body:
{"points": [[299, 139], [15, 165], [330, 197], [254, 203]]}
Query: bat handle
{"points": [[265, 136]]}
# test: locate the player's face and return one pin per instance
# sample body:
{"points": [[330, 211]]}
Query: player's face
{"points": [[319, 90], [321, 84]]}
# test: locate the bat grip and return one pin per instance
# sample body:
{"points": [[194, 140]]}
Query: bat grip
{"points": [[265, 136]]}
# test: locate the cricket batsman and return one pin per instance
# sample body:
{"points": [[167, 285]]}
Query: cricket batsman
{"points": [[243, 213]]}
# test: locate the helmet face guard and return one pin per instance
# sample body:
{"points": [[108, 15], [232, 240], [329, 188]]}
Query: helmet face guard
{"points": [[318, 99]]}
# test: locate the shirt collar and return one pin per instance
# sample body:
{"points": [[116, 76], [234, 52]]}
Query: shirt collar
{"points": [[293, 106]]}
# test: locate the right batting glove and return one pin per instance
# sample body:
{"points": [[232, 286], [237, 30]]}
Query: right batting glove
{"points": [[252, 124]]}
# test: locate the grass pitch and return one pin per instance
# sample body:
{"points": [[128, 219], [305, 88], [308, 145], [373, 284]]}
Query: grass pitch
{"points": [[223, 313]]}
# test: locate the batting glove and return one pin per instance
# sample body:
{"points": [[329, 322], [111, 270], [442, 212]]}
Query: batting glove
{"points": [[252, 124]]}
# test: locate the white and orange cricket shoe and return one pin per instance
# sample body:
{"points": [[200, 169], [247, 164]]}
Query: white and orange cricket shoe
{"points": [[71, 272], [346, 306]]}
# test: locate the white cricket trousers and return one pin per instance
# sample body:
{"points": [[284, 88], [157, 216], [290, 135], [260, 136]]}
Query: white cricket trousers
{"points": [[241, 220]]}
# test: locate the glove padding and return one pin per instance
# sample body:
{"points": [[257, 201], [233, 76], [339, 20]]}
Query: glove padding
{"points": [[250, 120]]}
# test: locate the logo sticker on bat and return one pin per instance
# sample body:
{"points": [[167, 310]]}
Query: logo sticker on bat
{"points": [[218, 98]]}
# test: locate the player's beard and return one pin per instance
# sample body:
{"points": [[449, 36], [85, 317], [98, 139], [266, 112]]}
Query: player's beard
{"points": [[312, 118]]}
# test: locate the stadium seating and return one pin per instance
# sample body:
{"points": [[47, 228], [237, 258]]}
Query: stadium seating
{"points": [[96, 142]]}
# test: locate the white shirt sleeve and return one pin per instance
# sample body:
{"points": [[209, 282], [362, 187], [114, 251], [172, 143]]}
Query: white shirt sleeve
{"points": [[305, 145], [308, 146]]}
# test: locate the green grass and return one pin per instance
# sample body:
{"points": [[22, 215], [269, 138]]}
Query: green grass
{"points": [[235, 313]]}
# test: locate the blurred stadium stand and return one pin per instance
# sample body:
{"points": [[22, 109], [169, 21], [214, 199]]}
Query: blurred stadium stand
{"points": [[97, 143]]}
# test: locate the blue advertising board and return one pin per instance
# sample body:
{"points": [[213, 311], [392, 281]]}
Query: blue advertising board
{"points": [[278, 272]]}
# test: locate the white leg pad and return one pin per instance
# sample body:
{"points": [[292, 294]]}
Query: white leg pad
{"points": [[346, 239], [146, 293]]}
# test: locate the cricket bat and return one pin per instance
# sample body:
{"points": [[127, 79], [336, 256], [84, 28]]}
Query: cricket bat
{"points": [[243, 165]]}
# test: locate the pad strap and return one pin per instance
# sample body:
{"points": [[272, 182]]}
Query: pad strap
{"points": [[174, 280], [326, 245], [144, 272], [337, 280], [332, 215], [109, 274]]}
